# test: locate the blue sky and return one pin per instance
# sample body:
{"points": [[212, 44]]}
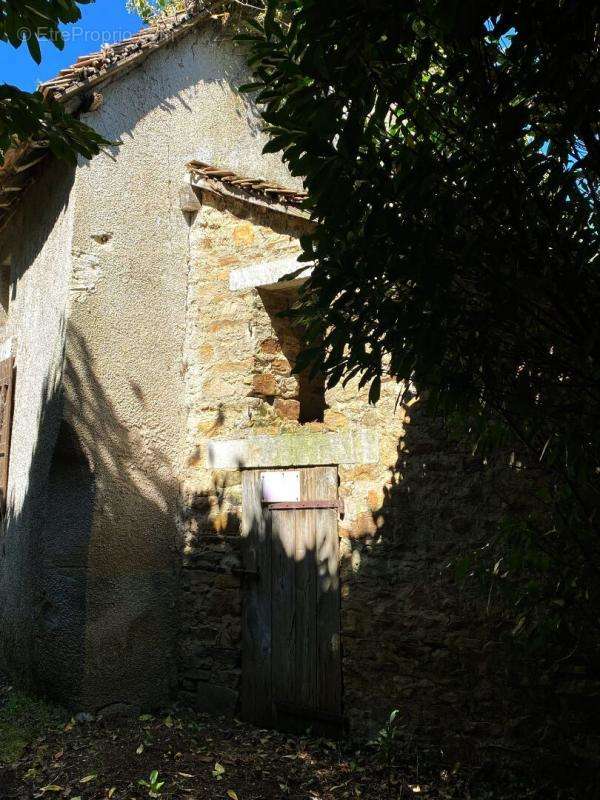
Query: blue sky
{"points": [[102, 21]]}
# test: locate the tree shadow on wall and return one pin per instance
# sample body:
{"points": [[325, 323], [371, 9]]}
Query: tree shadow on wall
{"points": [[275, 587], [413, 638], [167, 84], [440, 650], [90, 587], [211, 596]]}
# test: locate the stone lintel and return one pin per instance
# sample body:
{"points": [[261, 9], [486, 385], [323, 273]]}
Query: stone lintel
{"points": [[269, 274], [309, 448]]}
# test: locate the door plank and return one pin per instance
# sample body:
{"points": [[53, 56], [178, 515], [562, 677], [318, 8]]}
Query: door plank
{"points": [[7, 374], [329, 667], [283, 544], [256, 637], [306, 610]]}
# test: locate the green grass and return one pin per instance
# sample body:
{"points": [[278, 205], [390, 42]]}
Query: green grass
{"points": [[22, 720]]}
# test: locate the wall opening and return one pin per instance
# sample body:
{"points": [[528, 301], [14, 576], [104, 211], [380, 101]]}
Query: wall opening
{"points": [[309, 404], [311, 396]]}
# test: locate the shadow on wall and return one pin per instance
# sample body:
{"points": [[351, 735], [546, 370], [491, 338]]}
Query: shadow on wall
{"points": [[413, 638], [429, 645], [97, 623], [440, 651], [32, 249], [221, 65], [291, 338]]}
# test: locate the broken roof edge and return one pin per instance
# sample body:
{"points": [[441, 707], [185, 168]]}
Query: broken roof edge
{"points": [[230, 185]]}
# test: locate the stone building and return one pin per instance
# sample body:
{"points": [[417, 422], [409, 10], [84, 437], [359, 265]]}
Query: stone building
{"points": [[185, 516]]}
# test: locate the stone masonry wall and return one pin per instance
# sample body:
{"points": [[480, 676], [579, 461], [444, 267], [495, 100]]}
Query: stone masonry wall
{"points": [[411, 639]]}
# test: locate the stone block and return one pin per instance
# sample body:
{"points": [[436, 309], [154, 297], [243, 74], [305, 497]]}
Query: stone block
{"points": [[375, 499], [364, 524], [335, 420], [218, 388], [270, 346], [268, 273], [244, 234], [281, 366], [264, 385], [290, 409]]}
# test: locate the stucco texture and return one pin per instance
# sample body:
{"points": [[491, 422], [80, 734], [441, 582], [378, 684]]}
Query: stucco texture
{"points": [[125, 381], [36, 248], [90, 574]]}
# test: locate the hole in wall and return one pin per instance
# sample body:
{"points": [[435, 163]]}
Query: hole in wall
{"points": [[308, 404], [102, 238], [311, 395]]}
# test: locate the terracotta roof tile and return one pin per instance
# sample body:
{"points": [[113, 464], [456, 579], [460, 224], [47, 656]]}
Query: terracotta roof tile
{"points": [[95, 67], [17, 170], [255, 186]]}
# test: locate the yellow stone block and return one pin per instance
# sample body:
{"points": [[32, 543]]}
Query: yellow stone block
{"points": [[335, 420], [244, 234]]}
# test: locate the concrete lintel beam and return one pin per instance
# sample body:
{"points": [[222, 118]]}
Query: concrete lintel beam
{"points": [[308, 448], [269, 274]]}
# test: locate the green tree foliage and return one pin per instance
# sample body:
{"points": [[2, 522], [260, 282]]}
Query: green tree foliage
{"points": [[153, 9], [27, 116], [451, 152], [150, 10]]}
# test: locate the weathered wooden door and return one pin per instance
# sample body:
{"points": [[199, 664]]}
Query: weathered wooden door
{"points": [[291, 667]]}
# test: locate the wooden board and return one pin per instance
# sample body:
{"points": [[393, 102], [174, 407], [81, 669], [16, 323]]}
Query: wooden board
{"points": [[7, 375], [256, 615], [283, 534], [305, 600], [291, 663]]}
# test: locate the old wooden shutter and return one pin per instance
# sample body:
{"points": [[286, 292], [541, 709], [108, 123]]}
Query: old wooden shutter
{"points": [[7, 372], [291, 668]]}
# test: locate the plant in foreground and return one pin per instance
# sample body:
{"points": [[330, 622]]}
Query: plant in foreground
{"points": [[385, 741], [152, 784]]}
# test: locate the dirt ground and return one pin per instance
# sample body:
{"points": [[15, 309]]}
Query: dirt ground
{"points": [[46, 753]]}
